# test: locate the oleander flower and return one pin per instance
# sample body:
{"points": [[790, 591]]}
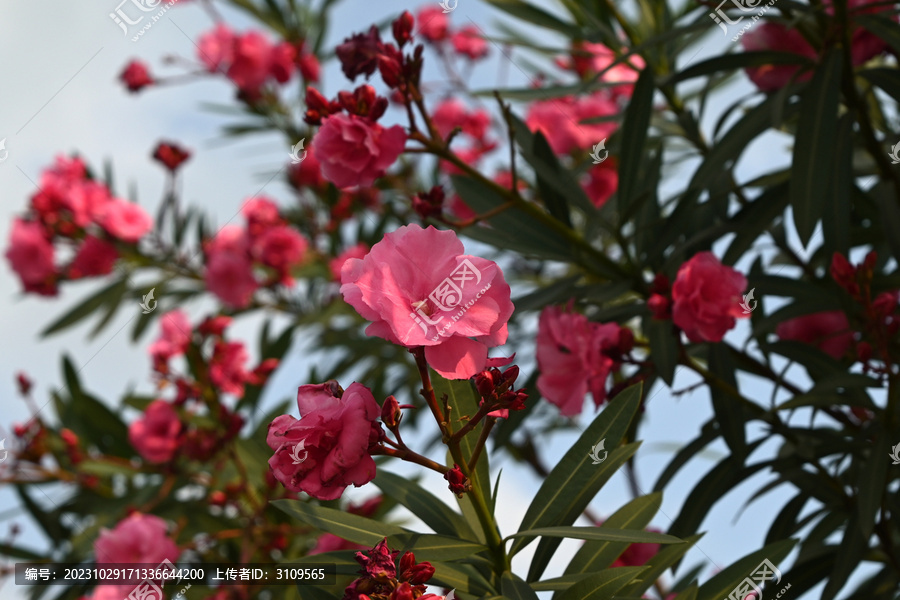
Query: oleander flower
{"points": [[354, 151], [706, 298], [829, 331], [156, 435], [327, 448], [419, 289]]}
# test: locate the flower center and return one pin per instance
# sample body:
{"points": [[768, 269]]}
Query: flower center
{"points": [[423, 307]]}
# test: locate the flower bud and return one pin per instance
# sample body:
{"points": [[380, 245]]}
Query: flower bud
{"points": [[390, 413], [660, 307], [24, 383], [459, 483], [402, 28]]}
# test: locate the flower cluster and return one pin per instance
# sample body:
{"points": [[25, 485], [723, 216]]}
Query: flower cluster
{"points": [[381, 578], [70, 206], [268, 244], [496, 389], [467, 41], [250, 59]]}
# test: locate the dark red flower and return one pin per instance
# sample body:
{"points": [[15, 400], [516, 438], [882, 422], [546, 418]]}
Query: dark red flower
{"points": [[171, 155], [359, 53], [136, 76], [459, 483]]}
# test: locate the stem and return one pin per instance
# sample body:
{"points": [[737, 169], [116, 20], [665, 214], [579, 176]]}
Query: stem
{"points": [[413, 457], [481, 443]]}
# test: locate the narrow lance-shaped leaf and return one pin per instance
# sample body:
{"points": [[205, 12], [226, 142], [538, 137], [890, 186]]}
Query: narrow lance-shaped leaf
{"points": [[812, 173], [634, 138]]}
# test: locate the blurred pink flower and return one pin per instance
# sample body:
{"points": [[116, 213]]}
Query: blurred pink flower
{"points": [[468, 42], [124, 221], [829, 331], [432, 23], [174, 335], [280, 247], [336, 263], [229, 270], [136, 76], [226, 368], [590, 59], [327, 448], [155, 435], [706, 298], [30, 254], [216, 48], [560, 120], [602, 183], [419, 289], [571, 358], [353, 151], [138, 538], [94, 257]]}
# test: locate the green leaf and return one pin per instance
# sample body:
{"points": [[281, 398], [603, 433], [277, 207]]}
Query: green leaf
{"points": [[755, 218], [461, 577], [597, 554], [737, 61], [608, 534], [708, 433], [635, 129], [572, 484], [722, 583], [423, 504], [689, 594], [512, 229], [436, 547], [887, 79], [872, 482], [664, 347], [82, 310], [811, 171], [350, 527], [553, 293], [514, 588], [729, 412], [601, 586], [883, 27], [558, 584], [537, 16], [555, 201]]}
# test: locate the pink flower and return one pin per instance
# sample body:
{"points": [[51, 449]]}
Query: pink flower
{"points": [[560, 120], [136, 76], [216, 48], [95, 257], [448, 115], [571, 358], [226, 368], [603, 181], [280, 248], [229, 271], [174, 335], [589, 59], [354, 151], [829, 331], [156, 434], [261, 214], [337, 263], [774, 36], [125, 221], [281, 62], [433, 25], [250, 66], [331, 440], [86, 200], [30, 255], [706, 298], [468, 42], [419, 289], [138, 538]]}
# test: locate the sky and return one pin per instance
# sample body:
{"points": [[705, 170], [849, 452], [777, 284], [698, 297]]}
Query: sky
{"points": [[59, 94]]}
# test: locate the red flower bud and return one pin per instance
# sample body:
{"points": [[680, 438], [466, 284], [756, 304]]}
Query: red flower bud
{"points": [[402, 28], [214, 325], [864, 351], [390, 412], [459, 483], [626, 340], [429, 204], [660, 307], [24, 383], [842, 271], [885, 304], [403, 592], [391, 71], [170, 155]]}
